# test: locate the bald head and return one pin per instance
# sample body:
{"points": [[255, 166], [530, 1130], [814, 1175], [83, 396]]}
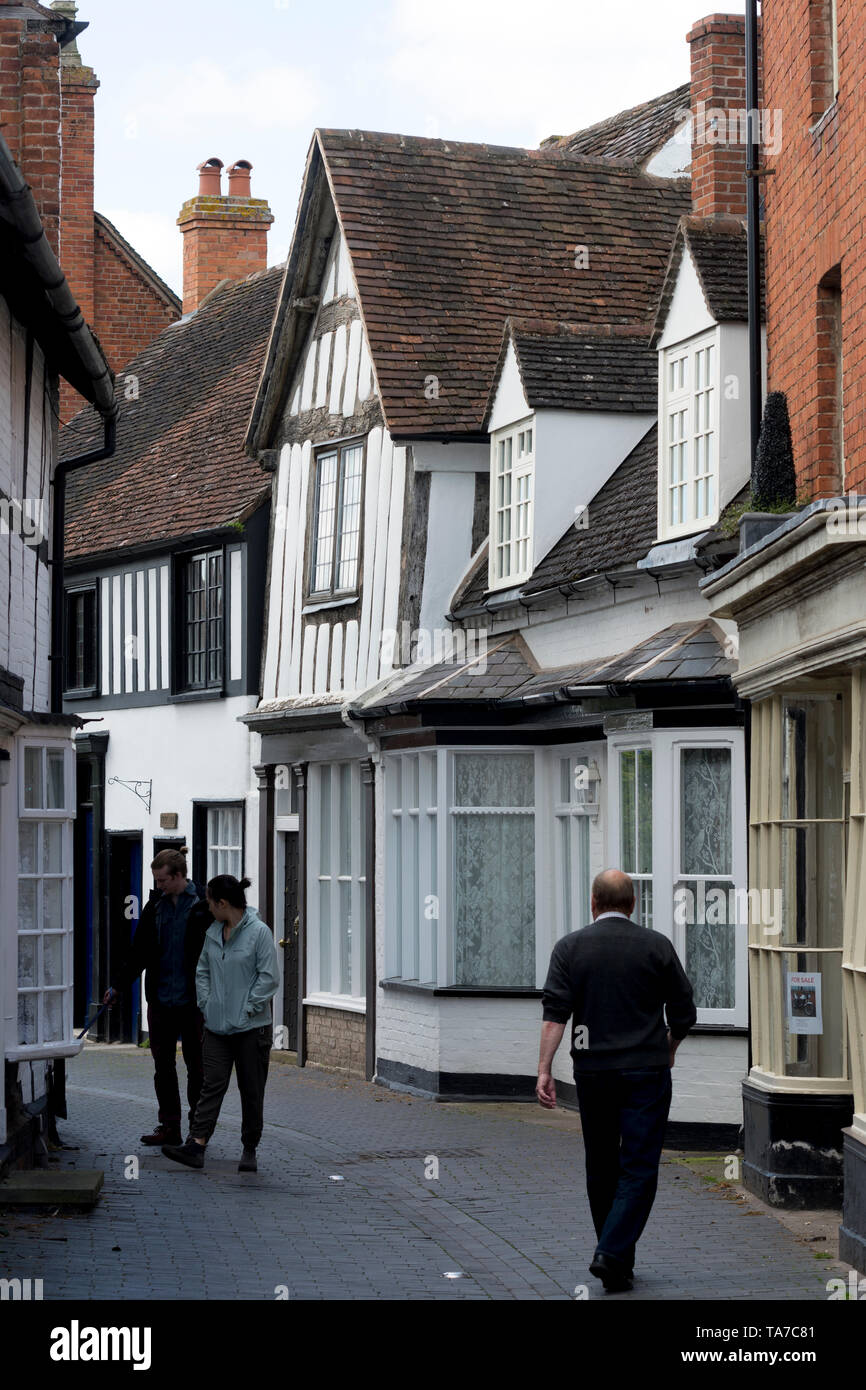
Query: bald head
{"points": [[612, 891]]}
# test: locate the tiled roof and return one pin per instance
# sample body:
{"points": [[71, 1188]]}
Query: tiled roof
{"points": [[448, 240], [719, 251], [634, 135], [620, 527], [562, 366], [180, 466], [506, 672]]}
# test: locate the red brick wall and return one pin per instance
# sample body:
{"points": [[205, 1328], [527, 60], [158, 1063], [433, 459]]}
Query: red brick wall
{"points": [[815, 214], [30, 107], [129, 313]]}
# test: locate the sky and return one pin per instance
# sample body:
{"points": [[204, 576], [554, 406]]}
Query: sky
{"points": [[184, 80]]}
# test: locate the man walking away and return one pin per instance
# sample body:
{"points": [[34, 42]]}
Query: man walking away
{"points": [[616, 980], [167, 944]]}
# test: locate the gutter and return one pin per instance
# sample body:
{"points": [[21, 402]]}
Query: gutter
{"points": [[753, 228], [18, 208]]}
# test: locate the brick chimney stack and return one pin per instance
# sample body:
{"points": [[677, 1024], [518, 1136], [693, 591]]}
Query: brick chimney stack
{"points": [[225, 236], [718, 103], [78, 87]]}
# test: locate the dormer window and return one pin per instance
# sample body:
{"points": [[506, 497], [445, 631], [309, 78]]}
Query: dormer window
{"points": [[512, 469], [688, 438]]}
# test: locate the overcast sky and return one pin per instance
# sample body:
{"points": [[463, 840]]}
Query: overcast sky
{"points": [[182, 80]]}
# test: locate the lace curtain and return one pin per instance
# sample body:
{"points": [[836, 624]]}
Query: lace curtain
{"points": [[494, 869], [706, 849]]}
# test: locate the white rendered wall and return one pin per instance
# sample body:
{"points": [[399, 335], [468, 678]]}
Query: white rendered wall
{"points": [[688, 313], [449, 543], [509, 404]]}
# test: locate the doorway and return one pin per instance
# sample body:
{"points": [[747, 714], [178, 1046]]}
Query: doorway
{"points": [[289, 943], [124, 888]]}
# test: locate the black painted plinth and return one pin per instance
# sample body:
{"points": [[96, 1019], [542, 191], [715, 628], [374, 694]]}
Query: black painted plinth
{"points": [[793, 1147]]}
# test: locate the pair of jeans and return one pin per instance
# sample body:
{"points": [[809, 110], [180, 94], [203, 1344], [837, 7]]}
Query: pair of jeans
{"points": [[165, 1026], [623, 1115], [249, 1053]]}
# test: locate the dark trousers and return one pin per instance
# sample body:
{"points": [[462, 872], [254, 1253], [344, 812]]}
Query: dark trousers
{"points": [[165, 1026], [623, 1115], [249, 1053]]}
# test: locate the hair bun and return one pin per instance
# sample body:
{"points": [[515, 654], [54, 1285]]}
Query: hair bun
{"points": [[245, 882], [182, 849]]}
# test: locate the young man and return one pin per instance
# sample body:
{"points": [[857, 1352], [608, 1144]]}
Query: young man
{"points": [[617, 979], [167, 944]]}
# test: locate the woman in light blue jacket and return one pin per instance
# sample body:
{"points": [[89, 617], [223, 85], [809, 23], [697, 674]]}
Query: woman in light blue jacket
{"points": [[236, 978]]}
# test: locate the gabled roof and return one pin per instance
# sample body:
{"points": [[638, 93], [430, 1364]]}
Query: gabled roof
{"points": [[507, 675], [634, 135], [620, 528], [137, 263], [446, 241], [719, 250], [180, 466], [569, 367]]}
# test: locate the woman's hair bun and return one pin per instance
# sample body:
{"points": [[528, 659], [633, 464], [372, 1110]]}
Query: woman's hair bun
{"points": [[245, 882]]}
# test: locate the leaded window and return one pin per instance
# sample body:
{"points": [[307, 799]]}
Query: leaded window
{"points": [[337, 515], [203, 634]]}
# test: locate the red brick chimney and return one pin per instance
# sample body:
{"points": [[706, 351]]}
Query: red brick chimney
{"points": [[78, 86], [225, 236], [30, 39], [718, 103]]}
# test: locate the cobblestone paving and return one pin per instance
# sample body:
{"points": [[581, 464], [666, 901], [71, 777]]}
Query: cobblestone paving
{"points": [[508, 1210]]}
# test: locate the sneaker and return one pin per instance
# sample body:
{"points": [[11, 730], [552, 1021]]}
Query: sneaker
{"points": [[248, 1162], [163, 1134], [190, 1154]]}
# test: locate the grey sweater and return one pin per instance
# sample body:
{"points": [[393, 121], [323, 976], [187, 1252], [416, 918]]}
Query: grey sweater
{"points": [[616, 980]]}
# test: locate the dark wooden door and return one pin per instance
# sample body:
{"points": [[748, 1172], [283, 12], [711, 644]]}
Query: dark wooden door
{"points": [[289, 942]]}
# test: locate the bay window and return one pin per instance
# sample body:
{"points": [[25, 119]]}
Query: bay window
{"points": [[677, 829], [44, 873], [336, 894]]}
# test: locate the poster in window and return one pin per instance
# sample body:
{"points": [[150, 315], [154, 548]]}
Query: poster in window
{"points": [[804, 1003]]}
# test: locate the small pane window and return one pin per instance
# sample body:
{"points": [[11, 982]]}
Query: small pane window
{"points": [[202, 607], [338, 508]]}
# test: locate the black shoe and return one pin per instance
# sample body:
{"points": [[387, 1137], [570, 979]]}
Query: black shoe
{"points": [[162, 1135], [248, 1162], [614, 1276], [190, 1154]]}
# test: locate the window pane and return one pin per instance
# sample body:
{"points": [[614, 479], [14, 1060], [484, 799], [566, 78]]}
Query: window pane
{"points": [[345, 818], [645, 811], [325, 820], [627, 810], [52, 1016], [705, 811], [494, 893], [27, 914], [709, 910], [27, 1005], [52, 960], [28, 839], [494, 779], [52, 848], [33, 789], [27, 962], [52, 904], [345, 938], [325, 936]]}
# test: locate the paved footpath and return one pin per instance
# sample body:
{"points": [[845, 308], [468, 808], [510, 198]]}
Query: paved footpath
{"points": [[508, 1210]]}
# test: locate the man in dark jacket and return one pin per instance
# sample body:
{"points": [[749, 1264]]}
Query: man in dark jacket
{"points": [[167, 944], [616, 980]]}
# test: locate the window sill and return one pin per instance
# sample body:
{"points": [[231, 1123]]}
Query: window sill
{"points": [[43, 1052], [347, 1002], [345, 601], [185, 697], [462, 991], [89, 694]]}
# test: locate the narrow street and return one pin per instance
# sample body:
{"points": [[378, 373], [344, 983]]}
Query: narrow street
{"points": [[508, 1210]]}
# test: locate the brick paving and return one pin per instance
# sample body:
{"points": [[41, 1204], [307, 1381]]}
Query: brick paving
{"points": [[508, 1210]]}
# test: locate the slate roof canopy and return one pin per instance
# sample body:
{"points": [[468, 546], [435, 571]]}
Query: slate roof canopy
{"points": [[571, 367], [719, 249]]}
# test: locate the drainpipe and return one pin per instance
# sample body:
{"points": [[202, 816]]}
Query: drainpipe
{"points": [[753, 228]]}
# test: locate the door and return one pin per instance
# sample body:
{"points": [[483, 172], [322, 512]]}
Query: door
{"points": [[289, 942], [123, 1022]]}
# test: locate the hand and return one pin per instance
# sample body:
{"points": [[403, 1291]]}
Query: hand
{"points": [[546, 1090], [672, 1045], [109, 996]]}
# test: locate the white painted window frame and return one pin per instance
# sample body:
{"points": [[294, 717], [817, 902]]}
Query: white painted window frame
{"points": [[575, 913], [66, 1044], [666, 746], [321, 990], [522, 473], [681, 401]]}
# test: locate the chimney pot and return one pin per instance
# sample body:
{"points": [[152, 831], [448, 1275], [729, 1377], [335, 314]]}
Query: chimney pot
{"points": [[210, 178], [239, 179]]}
